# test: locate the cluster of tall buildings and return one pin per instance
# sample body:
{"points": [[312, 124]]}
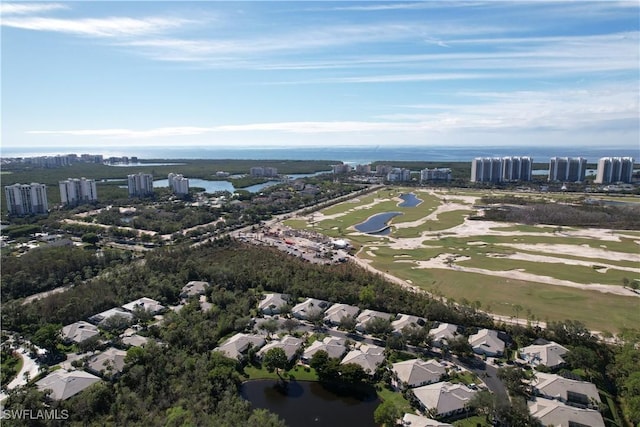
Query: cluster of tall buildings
{"points": [[435, 174], [567, 169], [614, 169], [140, 184], [26, 199], [74, 191], [501, 169], [178, 184], [263, 171]]}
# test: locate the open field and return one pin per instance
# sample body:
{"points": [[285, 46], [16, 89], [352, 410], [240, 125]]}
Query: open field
{"points": [[548, 272]]}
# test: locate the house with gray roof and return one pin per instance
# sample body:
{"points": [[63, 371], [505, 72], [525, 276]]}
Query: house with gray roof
{"points": [[443, 333], [369, 357], [549, 354], [64, 384], [116, 314], [334, 346], [272, 303], [573, 392], [407, 320], [289, 344], [486, 342], [110, 361], [443, 398], [134, 340], [309, 306], [79, 331], [193, 288], [238, 344], [417, 372], [367, 315], [144, 303], [557, 414], [337, 312]]}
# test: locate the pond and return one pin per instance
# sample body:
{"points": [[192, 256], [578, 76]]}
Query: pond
{"points": [[409, 201], [304, 404], [377, 224], [215, 186]]}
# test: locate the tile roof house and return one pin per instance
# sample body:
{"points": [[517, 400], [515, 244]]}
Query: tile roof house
{"points": [[367, 356], [109, 361], [134, 340], [549, 354], [192, 288], [573, 392], [239, 343], [334, 346], [413, 420], [443, 333], [311, 305], [79, 331], [147, 304], [557, 414], [486, 342], [64, 384], [289, 344], [101, 319], [444, 398], [271, 303], [336, 312], [367, 315], [416, 372], [404, 320]]}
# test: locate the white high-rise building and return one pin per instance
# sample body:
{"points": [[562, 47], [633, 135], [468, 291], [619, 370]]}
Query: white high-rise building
{"points": [[500, 169], [178, 183], [614, 169], [435, 174], [567, 169], [26, 199], [74, 191], [140, 184]]}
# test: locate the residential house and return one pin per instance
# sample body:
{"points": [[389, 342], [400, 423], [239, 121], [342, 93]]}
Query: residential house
{"points": [[416, 372], [367, 356], [573, 392], [115, 315], [407, 320], [309, 307], [557, 414], [64, 384], [110, 361], [367, 315], [144, 303], [413, 420], [337, 312], [487, 342], [443, 333], [238, 344], [134, 340], [79, 331], [192, 288], [444, 399], [334, 346], [548, 354], [289, 344], [272, 303]]}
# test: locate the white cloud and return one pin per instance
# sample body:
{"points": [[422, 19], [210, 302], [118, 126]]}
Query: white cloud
{"points": [[28, 8], [98, 27]]}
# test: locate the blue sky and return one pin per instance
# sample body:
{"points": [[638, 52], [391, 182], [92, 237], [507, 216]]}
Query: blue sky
{"points": [[268, 73]]}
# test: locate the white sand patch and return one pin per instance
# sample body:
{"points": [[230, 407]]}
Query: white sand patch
{"points": [[371, 254], [601, 268], [433, 216], [477, 243], [440, 262], [576, 250], [402, 256]]}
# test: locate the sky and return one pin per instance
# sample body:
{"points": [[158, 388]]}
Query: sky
{"points": [[307, 74]]}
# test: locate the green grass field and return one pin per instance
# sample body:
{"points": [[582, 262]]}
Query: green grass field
{"points": [[598, 310]]}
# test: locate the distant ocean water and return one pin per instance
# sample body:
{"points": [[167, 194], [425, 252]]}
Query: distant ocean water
{"points": [[354, 155]]}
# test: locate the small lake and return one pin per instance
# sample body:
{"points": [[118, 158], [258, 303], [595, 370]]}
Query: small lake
{"points": [[215, 186], [377, 224], [409, 201], [305, 404]]}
